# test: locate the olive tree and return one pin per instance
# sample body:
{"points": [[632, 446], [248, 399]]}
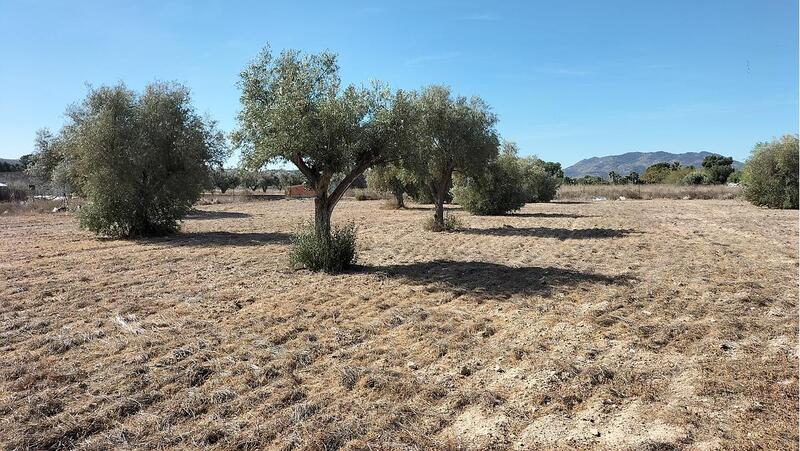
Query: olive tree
{"points": [[538, 184], [46, 156], [771, 173], [293, 108], [455, 134], [224, 179], [392, 179], [267, 179], [141, 160], [249, 179], [51, 164], [718, 168], [500, 189]]}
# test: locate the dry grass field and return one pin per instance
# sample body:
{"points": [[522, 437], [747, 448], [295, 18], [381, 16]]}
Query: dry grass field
{"points": [[643, 325], [647, 191]]}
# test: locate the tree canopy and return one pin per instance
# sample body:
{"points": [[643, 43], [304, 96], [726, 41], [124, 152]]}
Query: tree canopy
{"points": [[718, 168], [295, 109], [456, 134], [141, 159], [771, 173]]}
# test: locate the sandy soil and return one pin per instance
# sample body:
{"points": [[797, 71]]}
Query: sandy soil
{"points": [[650, 325]]}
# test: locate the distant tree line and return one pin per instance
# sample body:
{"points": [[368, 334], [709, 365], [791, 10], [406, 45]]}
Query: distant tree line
{"points": [[504, 185], [225, 179], [715, 169]]}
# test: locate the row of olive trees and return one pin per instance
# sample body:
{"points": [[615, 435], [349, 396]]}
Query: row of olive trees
{"points": [[142, 159], [225, 179], [294, 108], [502, 185]]}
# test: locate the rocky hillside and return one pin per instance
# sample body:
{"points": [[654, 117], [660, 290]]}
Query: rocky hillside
{"points": [[634, 161]]}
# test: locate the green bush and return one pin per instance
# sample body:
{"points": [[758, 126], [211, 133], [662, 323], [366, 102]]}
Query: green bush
{"points": [[770, 175], [696, 178], [311, 251], [539, 186], [451, 222], [499, 190], [735, 177], [506, 184], [718, 168], [141, 159], [656, 173], [676, 175], [366, 194], [13, 193]]}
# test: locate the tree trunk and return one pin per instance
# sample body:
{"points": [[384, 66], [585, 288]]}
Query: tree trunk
{"points": [[398, 195], [322, 216], [438, 214], [438, 204], [439, 189]]}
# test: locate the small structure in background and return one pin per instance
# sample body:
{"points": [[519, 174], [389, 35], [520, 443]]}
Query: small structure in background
{"points": [[299, 191]]}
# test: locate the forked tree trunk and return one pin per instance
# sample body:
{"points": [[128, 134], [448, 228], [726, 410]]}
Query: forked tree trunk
{"points": [[324, 202]]}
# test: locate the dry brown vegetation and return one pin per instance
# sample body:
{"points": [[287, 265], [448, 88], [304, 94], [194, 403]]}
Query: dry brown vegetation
{"points": [[651, 325], [660, 191]]}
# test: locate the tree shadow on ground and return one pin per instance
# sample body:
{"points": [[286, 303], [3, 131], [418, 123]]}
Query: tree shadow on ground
{"points": [[205, 214], [547, 232], [430, 208], [489, 279], [549, 215], [223, 239]]}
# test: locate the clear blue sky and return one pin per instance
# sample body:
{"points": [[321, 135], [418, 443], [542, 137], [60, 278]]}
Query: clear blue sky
{"points": [[569, 80]]}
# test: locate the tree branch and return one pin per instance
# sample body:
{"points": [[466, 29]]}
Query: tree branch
{"points": [[304, 169], [348, 180]]}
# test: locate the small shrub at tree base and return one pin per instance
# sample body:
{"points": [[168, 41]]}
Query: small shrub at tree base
{"points": [[451, 222], [316, 253], [771, 174]]}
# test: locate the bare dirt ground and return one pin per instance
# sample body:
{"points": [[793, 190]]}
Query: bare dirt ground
{"points": [[650, 325]]}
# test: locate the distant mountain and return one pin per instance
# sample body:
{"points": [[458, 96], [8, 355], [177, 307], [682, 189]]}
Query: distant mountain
{"points": [[9, 161], [634, 161]]}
